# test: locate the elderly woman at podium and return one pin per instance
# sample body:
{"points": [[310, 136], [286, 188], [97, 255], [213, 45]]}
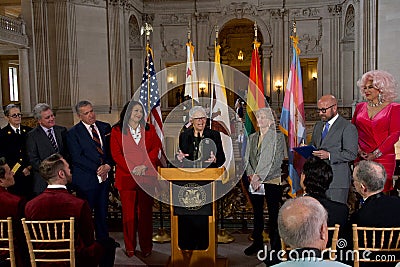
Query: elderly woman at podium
{"points": [[199, 147]]}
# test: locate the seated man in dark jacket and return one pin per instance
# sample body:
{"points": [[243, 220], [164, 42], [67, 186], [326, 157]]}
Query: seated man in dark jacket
{"points": [[57, 203], [378, 209]]}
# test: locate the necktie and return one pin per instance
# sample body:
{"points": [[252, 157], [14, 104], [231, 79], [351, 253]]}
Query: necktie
{"points": [[52, 140], [17, 131], [96, 140], [325, 131]]}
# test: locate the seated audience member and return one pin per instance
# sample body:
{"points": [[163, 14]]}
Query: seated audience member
{"points": [[315, 180], [302, 224], [378, 209], [12, 206], [57, 203]]}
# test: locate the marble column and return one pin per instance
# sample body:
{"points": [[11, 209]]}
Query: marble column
{"points": [[24, 83]]}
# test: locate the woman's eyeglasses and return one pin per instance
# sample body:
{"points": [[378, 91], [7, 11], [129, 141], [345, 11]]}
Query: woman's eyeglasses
{"points": [[16, 115]]}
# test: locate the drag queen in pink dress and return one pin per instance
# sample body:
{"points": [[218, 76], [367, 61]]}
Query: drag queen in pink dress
{"points": [[378, 121]]}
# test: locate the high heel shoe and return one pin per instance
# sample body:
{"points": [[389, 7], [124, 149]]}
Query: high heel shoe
{"points": [[146, 254], [129, 253]]}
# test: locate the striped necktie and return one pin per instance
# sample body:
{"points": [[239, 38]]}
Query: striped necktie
{"points": [[96, 139], [52, 140]]}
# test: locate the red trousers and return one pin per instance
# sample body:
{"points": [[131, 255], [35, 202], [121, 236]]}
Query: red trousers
{"points": [[137, 216]]}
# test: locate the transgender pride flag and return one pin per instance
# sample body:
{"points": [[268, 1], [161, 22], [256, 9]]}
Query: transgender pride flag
{"points": [[292, 122]]}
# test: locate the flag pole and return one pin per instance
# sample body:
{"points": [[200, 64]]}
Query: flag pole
{"points": [[212, 87], [147, 29], [256, 45], [190, 47]]}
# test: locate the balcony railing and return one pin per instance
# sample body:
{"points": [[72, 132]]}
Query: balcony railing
{"points": [[12, 31]]}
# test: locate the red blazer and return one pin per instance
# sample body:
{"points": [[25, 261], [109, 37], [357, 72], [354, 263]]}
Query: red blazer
{"points": [[55, 204], [127, 155], [13, 206]]}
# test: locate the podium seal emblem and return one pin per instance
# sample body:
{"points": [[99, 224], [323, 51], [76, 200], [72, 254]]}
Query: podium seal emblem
{"points": [[192, 196]]}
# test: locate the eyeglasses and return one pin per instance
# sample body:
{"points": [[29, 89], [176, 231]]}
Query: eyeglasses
{"points": [[323, 110], [16, 115], [201, 118]]}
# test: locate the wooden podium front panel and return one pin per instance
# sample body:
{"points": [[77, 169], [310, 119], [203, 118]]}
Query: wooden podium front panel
{"points": [[193, 258]]}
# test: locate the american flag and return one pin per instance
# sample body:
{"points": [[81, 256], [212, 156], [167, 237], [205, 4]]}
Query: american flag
{"points": [[150, 95]]}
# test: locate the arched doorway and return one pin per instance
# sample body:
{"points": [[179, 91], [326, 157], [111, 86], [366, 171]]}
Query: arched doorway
{"points": [[236, 38]]}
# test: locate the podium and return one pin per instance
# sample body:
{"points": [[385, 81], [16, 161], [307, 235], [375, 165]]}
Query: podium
{"points": [[181, 257]]}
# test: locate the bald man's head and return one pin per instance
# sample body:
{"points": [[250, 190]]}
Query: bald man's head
{"points": [[327, 107], [302, 222]]}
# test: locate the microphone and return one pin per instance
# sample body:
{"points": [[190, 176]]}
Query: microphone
{"points": [[196, 151]]}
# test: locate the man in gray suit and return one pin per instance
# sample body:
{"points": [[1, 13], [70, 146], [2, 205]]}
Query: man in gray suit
{"points": [[43, 141], [337, 142]]}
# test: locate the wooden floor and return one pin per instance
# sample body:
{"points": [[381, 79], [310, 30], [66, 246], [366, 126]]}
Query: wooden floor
{"points": [[161, 253]]}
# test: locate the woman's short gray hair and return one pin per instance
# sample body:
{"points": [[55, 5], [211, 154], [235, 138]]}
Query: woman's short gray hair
{"points": [[197, 109], [8, 108]]}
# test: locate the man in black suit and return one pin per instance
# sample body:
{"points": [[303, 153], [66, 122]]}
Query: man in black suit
{"points": [[89, 145], [378, 210], [13, 148], [44, 140]]}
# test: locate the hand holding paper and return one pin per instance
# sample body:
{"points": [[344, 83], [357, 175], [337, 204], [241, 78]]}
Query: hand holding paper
{"points": [[305, 151]]}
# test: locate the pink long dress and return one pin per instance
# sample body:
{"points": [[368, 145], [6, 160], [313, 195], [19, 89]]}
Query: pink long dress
{"points": [[382, 131]]}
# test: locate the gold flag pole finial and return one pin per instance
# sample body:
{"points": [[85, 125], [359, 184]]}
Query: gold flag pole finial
{"points": [[189, 30], [256, 43], [146, 29], [295, 39], [255, 31], [294, 28]]}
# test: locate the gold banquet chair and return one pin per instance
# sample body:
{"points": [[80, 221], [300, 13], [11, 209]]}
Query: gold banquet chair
{"points": [[375, 239], [7, 239], [333, 231], [50, 240]]}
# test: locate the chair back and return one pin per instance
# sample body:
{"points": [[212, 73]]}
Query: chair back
{"points": [[50, 240], [383, 240], [332, 232], [7, 240]]}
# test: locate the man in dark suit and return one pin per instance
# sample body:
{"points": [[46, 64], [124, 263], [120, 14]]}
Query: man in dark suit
{"points": [[337, 142], [89, 145], [378, 209], [12, 206], [44, 140], [13, 148], [57, 203]]}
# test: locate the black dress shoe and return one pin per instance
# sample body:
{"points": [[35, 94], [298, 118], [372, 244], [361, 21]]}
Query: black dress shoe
{"points": [[253, 249]]}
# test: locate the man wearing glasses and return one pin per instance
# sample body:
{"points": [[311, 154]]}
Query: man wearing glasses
{"points": [[13, 148], [336, 140]]}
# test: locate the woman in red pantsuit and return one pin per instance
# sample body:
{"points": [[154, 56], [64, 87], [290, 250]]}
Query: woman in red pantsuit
{"points": [[134, 148], [378, 121]]}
